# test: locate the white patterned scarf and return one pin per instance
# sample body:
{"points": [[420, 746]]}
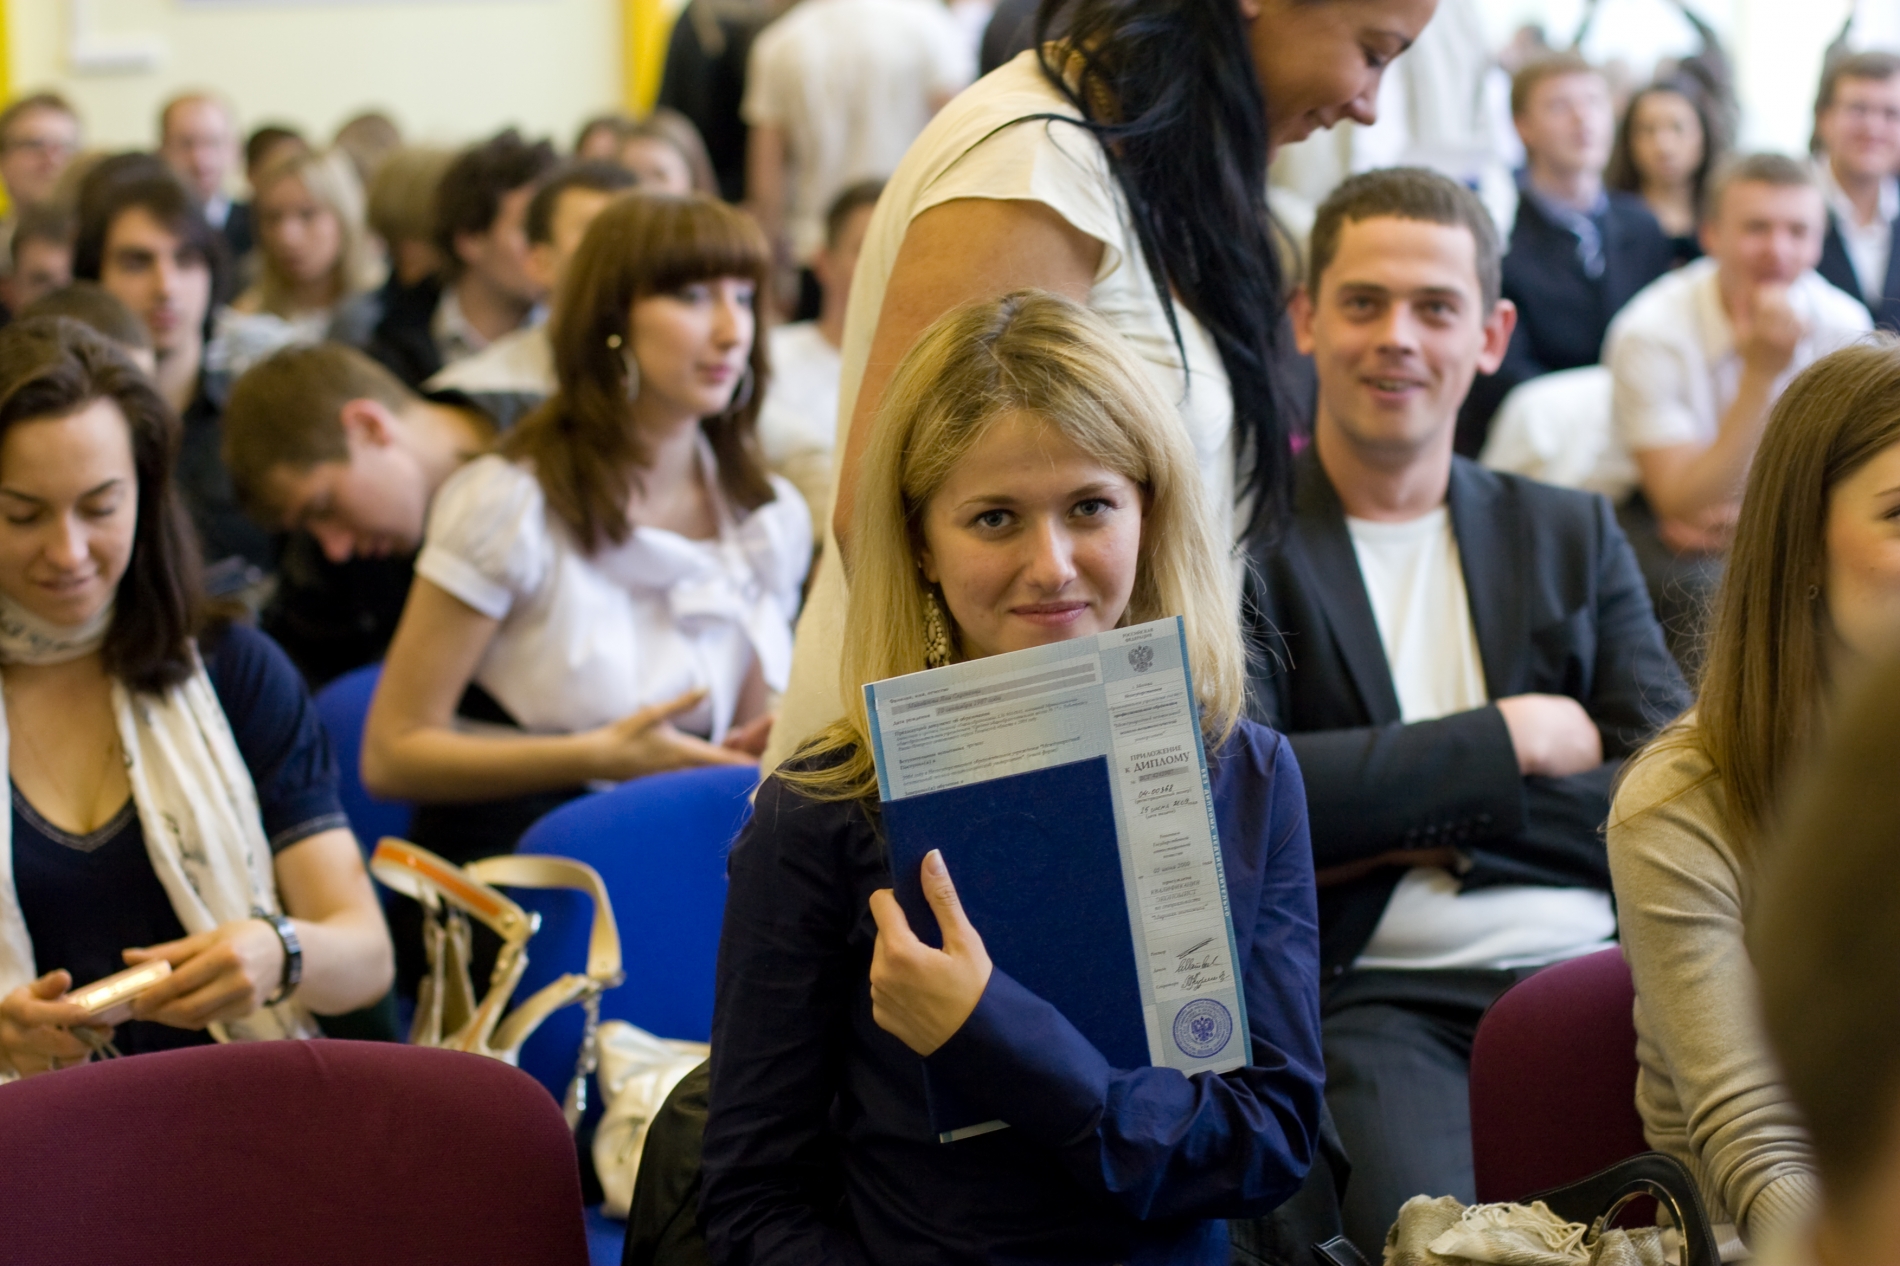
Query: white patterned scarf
{"points": [[195, 800]]}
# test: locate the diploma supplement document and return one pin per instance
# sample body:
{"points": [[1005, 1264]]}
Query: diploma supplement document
{"points": [[1068, 790]]}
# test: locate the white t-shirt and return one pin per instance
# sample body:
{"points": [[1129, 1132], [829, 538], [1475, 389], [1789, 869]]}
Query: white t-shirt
{"points": [[852, 83], [1672, 354], [519, 363], [975, 148], [1415, 581], [588, 639], [798, 420]]}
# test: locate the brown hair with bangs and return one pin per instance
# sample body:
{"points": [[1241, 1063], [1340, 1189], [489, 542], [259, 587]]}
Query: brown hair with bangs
{"points": [[581, 444]]}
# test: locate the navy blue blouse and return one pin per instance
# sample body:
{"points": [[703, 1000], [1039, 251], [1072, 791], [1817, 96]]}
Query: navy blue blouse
{"points": [[86, 897], [818, 1145]]}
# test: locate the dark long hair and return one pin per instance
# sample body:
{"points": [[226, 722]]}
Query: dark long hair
{"points": [[1622, 174], [581, 443], [52, 367], [1170, 89]]}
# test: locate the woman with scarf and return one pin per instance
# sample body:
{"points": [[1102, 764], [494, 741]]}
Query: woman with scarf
{"points": [[173, 794]]}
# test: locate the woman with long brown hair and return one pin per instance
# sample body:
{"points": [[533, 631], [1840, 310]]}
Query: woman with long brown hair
{"points": [[1811, 596], [618, 582]]}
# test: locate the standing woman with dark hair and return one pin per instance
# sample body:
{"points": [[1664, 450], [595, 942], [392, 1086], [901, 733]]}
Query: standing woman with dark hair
{"points": [[173, 794], [1665, 149], [1125, 167]]}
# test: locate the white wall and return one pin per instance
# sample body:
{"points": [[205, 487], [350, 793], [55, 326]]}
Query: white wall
{"points": [[446, 70], [1776, 44]]}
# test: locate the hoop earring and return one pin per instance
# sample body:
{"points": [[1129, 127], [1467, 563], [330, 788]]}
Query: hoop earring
{"points": [[936, 632], [631, 365], [742, 394]]}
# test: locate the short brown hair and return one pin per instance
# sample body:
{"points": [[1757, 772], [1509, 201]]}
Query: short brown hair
{"points": [[1538, 69], [1777, 170], [850, 199], [1826, 945], [28, 104], [91, 304], [596, 175], [287, 411], [469, 198], [1407, 193], [51, 222], [401, 205], [1872, 64], [580, 443]]}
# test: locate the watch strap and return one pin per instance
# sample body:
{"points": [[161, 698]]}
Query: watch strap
{"points": [[293, 953]]}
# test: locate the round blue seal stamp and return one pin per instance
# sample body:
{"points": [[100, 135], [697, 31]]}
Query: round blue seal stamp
{"points": [[1202, 1027]]}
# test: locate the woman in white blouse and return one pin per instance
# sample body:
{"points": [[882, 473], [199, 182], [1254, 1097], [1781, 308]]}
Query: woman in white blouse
{"points": [[619, 582]]}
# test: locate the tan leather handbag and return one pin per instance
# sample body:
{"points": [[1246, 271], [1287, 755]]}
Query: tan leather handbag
{"points": [[448, 1013]]}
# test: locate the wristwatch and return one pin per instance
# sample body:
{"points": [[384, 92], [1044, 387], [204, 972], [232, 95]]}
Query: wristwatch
{"points": [[293, 953]]}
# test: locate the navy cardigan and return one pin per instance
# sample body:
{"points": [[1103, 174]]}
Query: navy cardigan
{"points": [[818, 1146]]}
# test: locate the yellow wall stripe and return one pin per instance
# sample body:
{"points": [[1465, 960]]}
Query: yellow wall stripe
{"points": [[647, 26]]}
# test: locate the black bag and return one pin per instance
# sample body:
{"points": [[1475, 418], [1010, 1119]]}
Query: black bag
{"points": [[663, 1223]]}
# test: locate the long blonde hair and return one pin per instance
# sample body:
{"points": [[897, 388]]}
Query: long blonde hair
{"points": [[1038, 353], [331, 180], [1759, 703]]}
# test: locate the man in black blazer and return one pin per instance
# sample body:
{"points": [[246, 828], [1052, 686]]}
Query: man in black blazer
{"points": [[1857, 132], [1461, 660], [1578, 252]]}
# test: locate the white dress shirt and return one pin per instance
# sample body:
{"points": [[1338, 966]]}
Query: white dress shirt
{"points": [[1674, 362]]}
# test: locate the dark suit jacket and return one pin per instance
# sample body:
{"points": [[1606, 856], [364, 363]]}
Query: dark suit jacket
{"points": [[1837, 268], [1562, 314], [238, 230], [1559, 607], [402, 339]]}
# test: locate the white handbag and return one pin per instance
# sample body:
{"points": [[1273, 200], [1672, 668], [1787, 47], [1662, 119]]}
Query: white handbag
{"points": [[448, 1013]]}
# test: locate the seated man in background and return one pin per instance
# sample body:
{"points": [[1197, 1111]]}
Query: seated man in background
{"points": [[197, 138], [1698, 359], [1857, 131], [142, 238], [522, 363], [39, 135], [330, 446], [1827, 949], [42, 250], [1578, 252], [798, 422], [1461, 659], [486, 289], [91, 304]]}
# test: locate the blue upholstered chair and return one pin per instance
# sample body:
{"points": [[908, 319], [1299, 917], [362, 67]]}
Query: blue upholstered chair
{"points": [[343, 706], [660, 843]]}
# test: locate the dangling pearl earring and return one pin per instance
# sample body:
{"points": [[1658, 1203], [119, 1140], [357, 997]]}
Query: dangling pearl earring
{"points": [[632, 367], [936, 632]]}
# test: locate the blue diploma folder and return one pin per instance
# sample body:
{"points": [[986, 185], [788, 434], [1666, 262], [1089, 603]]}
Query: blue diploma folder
{"points": [[1034, 860]]}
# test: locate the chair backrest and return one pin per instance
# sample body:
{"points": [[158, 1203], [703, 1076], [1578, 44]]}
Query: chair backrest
{"points": [[660, 843], [343, 706], [1553, 1079], [289, 1152]]}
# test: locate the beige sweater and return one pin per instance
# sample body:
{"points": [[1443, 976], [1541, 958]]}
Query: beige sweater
{"points": [[1708, 1089]]}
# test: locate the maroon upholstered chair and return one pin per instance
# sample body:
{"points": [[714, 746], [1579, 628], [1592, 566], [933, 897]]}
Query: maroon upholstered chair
{"points": [[1553, 1079], [289, 1152], [1553, 1102]]}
